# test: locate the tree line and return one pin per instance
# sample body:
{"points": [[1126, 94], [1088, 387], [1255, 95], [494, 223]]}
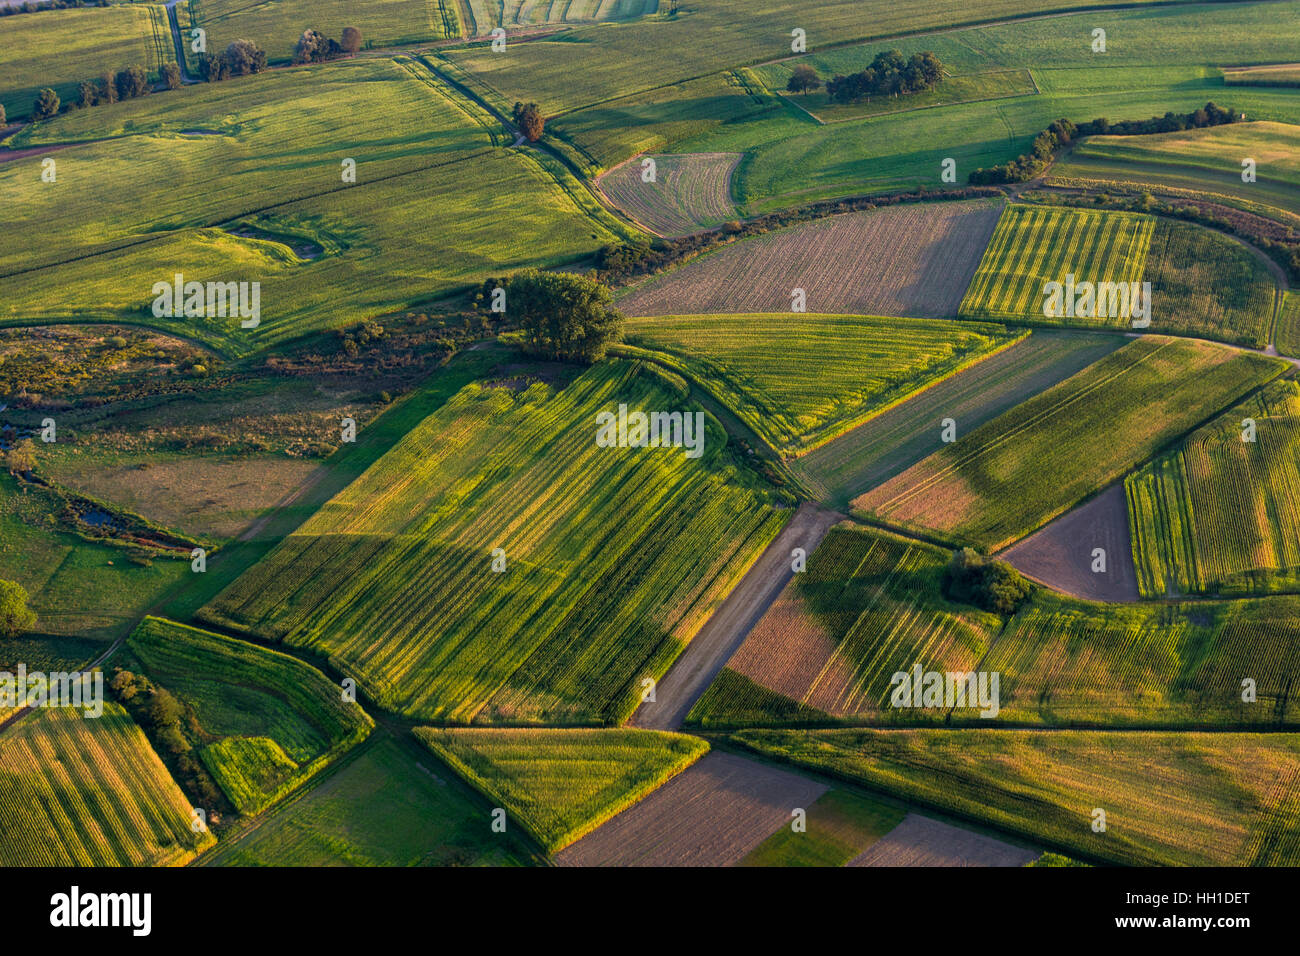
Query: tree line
{"points": [[1062, 133], [315, 47]]}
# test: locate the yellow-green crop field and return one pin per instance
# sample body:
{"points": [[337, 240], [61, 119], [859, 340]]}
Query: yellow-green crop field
{"points": [[612, 557]]}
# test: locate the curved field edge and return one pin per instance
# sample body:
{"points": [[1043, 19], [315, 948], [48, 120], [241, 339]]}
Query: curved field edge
{"points": [[555, 765]]}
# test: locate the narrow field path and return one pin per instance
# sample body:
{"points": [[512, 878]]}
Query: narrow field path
{"points": [[731, 623]]}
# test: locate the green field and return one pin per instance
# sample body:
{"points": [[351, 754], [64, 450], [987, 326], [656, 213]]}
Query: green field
{"points": [[664, 535], [1286, 333], [381, 806], [276, 25], [561, 784], [83, 791], [273, 162], [1033, 246], [997, 483], [873, 452], [1220, 514], [77, 587], [840, 826], [1186, 799], [271, 722], [60, 48], [1200, 160], [801, 380], [1158, 59]]}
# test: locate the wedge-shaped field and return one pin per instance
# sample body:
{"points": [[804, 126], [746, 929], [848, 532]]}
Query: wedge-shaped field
{"points": [[1208, 159], [559, 785], [273, 163], [841, 825], [867, 607], [1181, 799], [1033, 246], [274, 721], [913, 260], [1221, 513], [90, 791], [384, 805], [60, 48], [801, 380], [688, 192], [613, 557], [992, 486]]}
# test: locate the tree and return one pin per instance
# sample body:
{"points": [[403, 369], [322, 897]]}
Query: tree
{"points": [[213, 67], [21, 457], [171, 75], [15, 616], [3, 120], [131, 82], [107, 90], [803, 79], [244, 57], [46, 104], [994, 585], [86, 94], [528, 117], [564, 316], [351, 40], [312, 47]]}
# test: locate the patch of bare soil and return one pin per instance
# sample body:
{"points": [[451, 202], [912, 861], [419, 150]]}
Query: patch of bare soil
{"points": [[921, 841], [712, 814], [1060, 555]]}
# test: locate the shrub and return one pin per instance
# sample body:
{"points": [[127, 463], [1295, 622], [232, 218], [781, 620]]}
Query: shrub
{"points": [[15, 616], [45, 105]]}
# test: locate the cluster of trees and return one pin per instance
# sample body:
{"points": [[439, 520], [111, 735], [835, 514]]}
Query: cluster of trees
{"points": [[994, 585], [528, 117], [170, 725], [354, 339], [889, 74], [1063, 132], [240, 58], [15, 616], [315, 47], [563, 317]]}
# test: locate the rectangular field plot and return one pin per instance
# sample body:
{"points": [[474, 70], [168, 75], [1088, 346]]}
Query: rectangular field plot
{"points": [[867, 607], [1221, 514], [906, 260], [1173, 799], [272, 721], [82, 791], [995, 484], [689, 193], [612, 558], [1033, 246], [801, 380]]}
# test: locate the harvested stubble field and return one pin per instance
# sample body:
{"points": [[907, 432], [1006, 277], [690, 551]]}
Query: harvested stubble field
{"points": [[81, 791], [1036, 245], [1061, 556], [272, 721], [802, 380], [614, 557], [1177, 799], [997, 483], [1221, 514], [713, 814], [559, 785], [690, 191], [904, 434], [908, 260], [867, 606], [924, 841]]}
